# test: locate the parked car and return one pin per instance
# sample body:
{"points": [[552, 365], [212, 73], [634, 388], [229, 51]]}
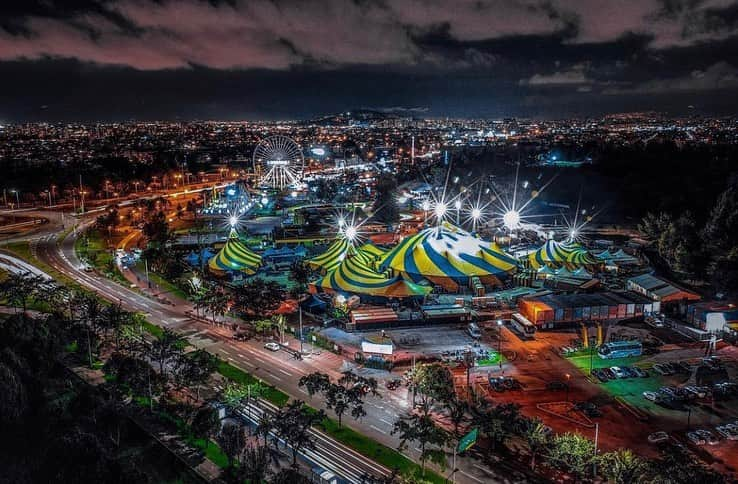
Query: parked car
{"points": [[640, 372], [629, 372], [555, 385], [696, 391], [658, 437], [600, 375], [609, 373], [695, 438], [728, 431], [653, 396], [272, 346], [708, 436], [618, 372], [661, 369]]}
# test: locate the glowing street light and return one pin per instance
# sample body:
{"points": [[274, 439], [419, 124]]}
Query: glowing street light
{"points": [[440, 210], [233, 220], [511, 219], [350, 233]]}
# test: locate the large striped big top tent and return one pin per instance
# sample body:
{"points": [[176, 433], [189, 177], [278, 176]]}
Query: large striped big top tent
{"points": [[447, 252], [354, 276], [235, 256]]}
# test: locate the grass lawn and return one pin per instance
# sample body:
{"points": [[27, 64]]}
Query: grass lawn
{"points": [[93, 247], [211, 450], [494, 360], [165, 286], [271, 394]]}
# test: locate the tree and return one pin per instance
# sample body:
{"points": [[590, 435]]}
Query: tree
{"points": [[434, 384], [457, 411], [721, 229], [315, 382], [497, 422], [300, 275], [293, 422], [289, 476], [19, 289], [261, 326], [621, 466], [204, 422], [166, 350], [536, 436], [194, 369], [232, 440], [676, 466], [430, 438], [280, 323], [258, 297], [156, 229], [254, 464], [571, 452]]}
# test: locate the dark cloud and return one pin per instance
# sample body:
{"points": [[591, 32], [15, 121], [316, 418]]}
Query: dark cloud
{"points": [[522, 48]]}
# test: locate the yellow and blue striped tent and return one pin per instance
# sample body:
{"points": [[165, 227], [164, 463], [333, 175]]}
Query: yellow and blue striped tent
{"points": [[353, 275], [448, 252], [560, 253], [235, 256], [341, 249]]}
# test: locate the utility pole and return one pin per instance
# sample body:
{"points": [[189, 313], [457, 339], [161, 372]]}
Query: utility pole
{"points": [[300, 308], [412, 151], [594, 461]]}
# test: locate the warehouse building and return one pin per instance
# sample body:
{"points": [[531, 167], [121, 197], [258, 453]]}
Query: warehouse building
{"points": [[564, 309]]}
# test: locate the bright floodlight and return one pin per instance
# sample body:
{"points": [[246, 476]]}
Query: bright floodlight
{"points": [[511, 219], [341, 222], [350, 232], [457, 204], [573, 234], [440, 210], [426, 205], [476, 213], [233, 220]]}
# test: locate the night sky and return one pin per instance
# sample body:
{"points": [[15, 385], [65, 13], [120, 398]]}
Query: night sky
{"points": [[262, 59]]}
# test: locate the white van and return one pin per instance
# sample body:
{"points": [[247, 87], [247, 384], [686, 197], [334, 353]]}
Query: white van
{"points": [[474, 331]]}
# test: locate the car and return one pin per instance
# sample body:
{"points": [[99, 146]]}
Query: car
{"points": [[242, 335], [708, 436], [640, 372], [653, 396], [727, 431], [609, 373], [661, 370], [695, 438], [555, 385], [271, 346], [658, 437], [696, 391], [600, 375], [618, 372]]}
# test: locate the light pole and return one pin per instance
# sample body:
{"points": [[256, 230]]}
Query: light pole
{"points": [[499, 341], [457, 206], [568, 377], [17, 197]]}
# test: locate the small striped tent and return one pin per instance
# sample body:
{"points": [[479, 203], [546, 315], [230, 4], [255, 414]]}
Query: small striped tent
{"points": [[558, 254], [354, 276], [448, 252], [341, 249], [235, 256]]}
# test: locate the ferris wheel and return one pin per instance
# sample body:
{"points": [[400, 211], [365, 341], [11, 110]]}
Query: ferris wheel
{"points": [[279, 160]]}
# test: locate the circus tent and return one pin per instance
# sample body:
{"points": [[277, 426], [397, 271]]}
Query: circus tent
{"points": [[341, 249], [561, 254], [235, 256], [447, 252], [353, 275]]}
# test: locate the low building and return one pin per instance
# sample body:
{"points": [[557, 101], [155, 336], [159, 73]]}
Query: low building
{"points": [[660, 290], [713, 317], [554, 310]]}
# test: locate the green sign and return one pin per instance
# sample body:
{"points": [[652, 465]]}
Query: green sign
{"points": [[468, 440]]}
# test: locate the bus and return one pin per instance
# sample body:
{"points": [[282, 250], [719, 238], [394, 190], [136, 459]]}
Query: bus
{"points": [[620, 349], [523, 326]]}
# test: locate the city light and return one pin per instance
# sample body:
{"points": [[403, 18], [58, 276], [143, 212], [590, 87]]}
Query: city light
{"points": [[440, 210], [233, 221], [350, 232], [476, 213], [511, 219]]}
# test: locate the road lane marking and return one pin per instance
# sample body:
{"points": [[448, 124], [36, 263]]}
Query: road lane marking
{"points": [[471, 476], [378, 429], [284, 372]]}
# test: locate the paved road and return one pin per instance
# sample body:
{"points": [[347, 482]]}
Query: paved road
{"points": [[276, 368]]}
